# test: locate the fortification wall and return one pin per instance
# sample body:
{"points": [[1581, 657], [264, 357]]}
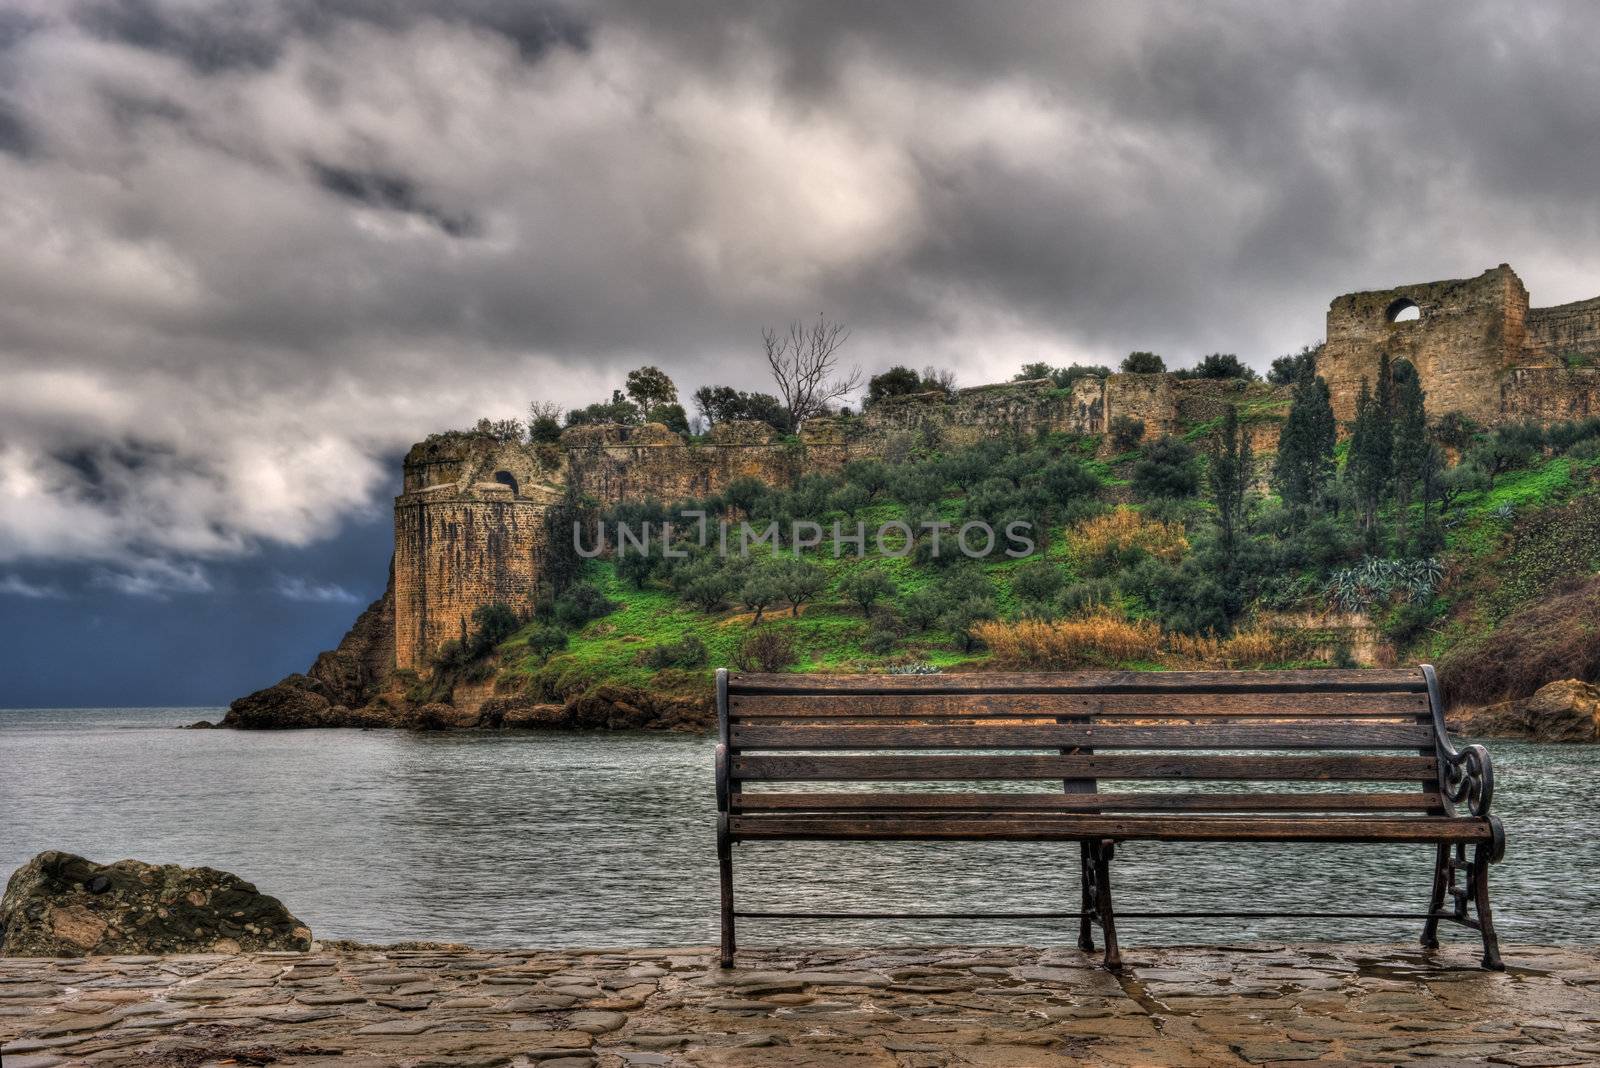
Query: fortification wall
{"points": [[1551, 394], [1469, 334], [970, 415], [1151, 399], [1566, 335]]}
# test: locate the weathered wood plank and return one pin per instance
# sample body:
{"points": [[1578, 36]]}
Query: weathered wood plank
{"points": [[1068, 827], [1082, 682], [818, 801], [924, 706], [1352, 735], [930, 768]]}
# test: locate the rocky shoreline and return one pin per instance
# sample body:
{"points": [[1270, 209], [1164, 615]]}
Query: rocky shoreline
{"points": [[301, 701], [925, 1007]]}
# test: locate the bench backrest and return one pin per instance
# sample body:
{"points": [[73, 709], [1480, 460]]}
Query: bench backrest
{"points": [[1089, 734]]}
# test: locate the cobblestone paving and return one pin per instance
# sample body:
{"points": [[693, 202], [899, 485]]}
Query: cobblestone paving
{"points": [[898, 1008]]}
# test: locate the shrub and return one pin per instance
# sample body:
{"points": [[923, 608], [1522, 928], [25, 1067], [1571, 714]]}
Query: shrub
{"points": [[1102, 639], [687, 652], [582, 602], [1143, 363], [1037, 583], [922, 608], [1167, 469], [545, 641], [1121, 533], [1083, 598], [1219, 365], [1358, 588], [880, 641], [1126, 432], [767, 649], [494, 623], [964, 615], [866, 588]]}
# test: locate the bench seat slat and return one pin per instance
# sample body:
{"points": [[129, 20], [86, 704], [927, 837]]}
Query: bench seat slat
{"points": [[818, 801], [1170, 736], [1069, 827], [931, 768], [1356, 681], [983, 705]]}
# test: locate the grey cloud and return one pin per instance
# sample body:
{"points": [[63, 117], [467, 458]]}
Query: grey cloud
{"points": [[14, 585], [259, 247], [15, 137], [297, 588], [392, 192]]}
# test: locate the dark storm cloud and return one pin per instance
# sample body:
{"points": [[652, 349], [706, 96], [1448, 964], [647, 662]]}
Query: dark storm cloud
{"points": [[15, 137], [393, 192], [274, 241], [253, 33]]}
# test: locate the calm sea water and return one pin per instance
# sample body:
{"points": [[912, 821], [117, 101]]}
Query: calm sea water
{"points": [[534, 839]]}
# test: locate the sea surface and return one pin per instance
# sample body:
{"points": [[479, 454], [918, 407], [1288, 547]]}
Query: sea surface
{"points": [[595, 839]]}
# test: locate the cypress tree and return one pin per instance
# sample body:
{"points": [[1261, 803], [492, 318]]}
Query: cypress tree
{"points": [[1231, 462], [1411, 446], [1371, 451], [1305, 448]]}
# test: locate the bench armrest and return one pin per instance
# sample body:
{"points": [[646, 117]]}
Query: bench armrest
{"points": [[1466, 776]]}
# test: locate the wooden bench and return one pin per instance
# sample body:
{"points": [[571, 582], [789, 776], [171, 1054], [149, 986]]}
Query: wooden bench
{"points": [[1378, 735]]}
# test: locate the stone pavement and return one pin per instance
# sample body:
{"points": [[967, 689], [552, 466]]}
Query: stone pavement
{"points": [[898, 1008]]}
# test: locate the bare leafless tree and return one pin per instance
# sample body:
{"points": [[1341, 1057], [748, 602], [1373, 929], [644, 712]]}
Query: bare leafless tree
{"points": [[805, 366]]}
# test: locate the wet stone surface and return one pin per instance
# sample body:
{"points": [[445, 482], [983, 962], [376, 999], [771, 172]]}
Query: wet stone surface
{"points": [[899, 1008]]}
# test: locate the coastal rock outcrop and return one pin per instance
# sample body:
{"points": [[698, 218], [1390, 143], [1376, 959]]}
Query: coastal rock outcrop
{"points": [[1563, 711], [295, 702], [61, 905]]}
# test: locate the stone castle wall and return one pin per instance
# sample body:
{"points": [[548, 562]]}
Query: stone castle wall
{"points": [[1478, 347], [1551, 394], [1566, 335]]}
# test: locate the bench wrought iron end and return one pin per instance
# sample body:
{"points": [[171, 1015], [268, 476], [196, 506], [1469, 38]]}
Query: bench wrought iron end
{"points": [[1467, 774]]}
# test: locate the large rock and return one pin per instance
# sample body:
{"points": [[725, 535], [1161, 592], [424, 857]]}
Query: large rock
{"points": [[61, 905], [1564, 711], [295, 702]]}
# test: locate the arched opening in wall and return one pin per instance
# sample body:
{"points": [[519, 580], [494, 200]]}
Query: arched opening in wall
{"points": [[506, 478], [1403, 311]]}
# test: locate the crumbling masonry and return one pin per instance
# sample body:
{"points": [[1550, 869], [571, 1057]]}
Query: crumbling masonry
{"points": [[470, 530]]}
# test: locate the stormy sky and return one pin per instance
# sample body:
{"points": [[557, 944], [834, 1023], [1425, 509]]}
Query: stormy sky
{"points": [[250, 250]]}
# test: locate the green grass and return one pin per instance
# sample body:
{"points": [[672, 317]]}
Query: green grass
{"points": [[829, 633]]}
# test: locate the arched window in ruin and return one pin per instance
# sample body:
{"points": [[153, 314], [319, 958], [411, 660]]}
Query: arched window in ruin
{"points": [[506, 478], [1403, 311]]}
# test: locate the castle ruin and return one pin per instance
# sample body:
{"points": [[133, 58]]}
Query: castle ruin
{"points": [[470, 524]]}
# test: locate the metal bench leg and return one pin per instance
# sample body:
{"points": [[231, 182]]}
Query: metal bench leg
{"points": [[1479, 878], [1441, 881], [1087, 902], [1102, 879], [725, 872]]}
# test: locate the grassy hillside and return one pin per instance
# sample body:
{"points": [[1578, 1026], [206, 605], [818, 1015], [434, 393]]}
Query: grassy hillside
{"points": [[1131, 569]]}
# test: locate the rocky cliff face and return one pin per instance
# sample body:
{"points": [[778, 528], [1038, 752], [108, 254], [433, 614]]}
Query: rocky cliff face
{"points": [[342, 682], [355, 672]]}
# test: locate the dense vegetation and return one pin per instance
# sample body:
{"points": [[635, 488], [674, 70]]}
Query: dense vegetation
{"points": [[1183, 551]]}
